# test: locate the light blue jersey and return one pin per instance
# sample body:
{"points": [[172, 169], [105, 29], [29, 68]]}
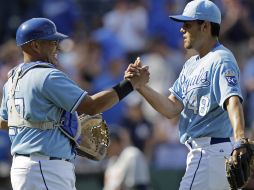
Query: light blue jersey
{"points": [[203, 86], [41, 95]]}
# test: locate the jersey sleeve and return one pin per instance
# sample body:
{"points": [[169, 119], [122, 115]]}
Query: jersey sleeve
{"points": [[62, 91], [226, 81], [176, 89], [3, 109]]}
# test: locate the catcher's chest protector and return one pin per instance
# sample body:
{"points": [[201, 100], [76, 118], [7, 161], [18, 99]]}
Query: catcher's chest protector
{"points": [[68, 123], [14, 118]]}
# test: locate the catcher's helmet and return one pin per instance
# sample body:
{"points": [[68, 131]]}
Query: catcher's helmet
{"points": [[37, 29]]}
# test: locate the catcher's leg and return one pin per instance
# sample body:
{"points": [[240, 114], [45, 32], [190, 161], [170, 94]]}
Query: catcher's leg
{"points": [[36, 173]]}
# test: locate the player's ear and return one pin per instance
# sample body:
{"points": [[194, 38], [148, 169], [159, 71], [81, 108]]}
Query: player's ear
{"points": [[35, 46], [30, 48], [205, 27]]}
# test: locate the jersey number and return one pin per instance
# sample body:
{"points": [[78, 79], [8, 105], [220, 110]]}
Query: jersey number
{"points": [[200, 107], [193, 104]]}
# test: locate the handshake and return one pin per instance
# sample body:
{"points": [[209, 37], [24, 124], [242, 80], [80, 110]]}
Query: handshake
{"points": [[137, 74]]}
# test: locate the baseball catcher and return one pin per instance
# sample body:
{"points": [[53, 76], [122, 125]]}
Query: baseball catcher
{"points": [[40, 102], [238, 166], [89, 134]]}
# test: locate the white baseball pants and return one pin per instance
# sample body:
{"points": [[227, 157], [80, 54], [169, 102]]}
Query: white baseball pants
{"points": [[38, 172], [206, 165]]}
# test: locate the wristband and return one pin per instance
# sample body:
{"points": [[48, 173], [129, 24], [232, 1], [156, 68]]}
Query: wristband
{"points": [[240, 143], [123, 89]]}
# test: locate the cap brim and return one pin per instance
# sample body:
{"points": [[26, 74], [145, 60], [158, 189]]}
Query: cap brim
{"points": [[181, 18], [56, 36]]}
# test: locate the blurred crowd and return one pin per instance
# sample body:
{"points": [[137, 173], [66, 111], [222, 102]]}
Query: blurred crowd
{"points": [[107, 35]]}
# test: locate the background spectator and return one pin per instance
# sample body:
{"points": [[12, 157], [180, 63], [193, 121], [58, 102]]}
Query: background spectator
{"points": [[126, 165]]}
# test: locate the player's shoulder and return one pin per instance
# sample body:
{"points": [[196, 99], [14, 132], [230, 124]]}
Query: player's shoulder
{"points": [[224, 58], [12, 71], [41, 67], [191, 60], [43, 70], [38, 68], [222, 54]]}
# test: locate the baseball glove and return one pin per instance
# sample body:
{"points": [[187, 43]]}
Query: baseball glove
{"points": [[238, 171], [94, 138]]}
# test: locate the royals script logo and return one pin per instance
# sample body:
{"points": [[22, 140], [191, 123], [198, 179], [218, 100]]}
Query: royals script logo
{"points": [[196, 81]]}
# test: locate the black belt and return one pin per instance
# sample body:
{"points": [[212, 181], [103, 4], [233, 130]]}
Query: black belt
{"points": [[50, 157], [215, 140]]}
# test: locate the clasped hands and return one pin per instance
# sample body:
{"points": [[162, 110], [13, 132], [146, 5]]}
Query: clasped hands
{"points": [[137, 74]]}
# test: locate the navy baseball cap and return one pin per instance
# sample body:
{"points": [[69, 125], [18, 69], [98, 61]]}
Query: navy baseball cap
{"points": [[199, 10]]}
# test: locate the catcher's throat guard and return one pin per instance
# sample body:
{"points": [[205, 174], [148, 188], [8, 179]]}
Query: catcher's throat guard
{"points": [[89, 133]]}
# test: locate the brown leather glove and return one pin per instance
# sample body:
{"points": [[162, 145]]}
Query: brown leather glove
{"points": [[94, 138], [238, 169]]}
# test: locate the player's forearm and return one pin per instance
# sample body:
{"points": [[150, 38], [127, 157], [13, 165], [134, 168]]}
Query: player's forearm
{"points": [[98, 103], [160, 103], [3, 125], [235, 112]]}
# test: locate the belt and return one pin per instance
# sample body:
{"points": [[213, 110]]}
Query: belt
{"points": [[44, 157], [204, 141], [215, 140]]}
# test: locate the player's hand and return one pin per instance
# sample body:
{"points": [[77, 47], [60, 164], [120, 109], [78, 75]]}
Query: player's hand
{"points": [[142, 79], [236, 153], [238, 165], [133, 69], [137, 74]]}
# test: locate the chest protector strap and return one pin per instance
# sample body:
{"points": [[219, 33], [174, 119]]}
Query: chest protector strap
{"points": [[14, 118]]}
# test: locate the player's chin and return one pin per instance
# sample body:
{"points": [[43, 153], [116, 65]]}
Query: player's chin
{"points": [[187, 45], [53, 60]]}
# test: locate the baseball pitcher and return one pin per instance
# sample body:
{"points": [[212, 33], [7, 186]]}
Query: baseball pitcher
{"points": [[208, 97]]}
